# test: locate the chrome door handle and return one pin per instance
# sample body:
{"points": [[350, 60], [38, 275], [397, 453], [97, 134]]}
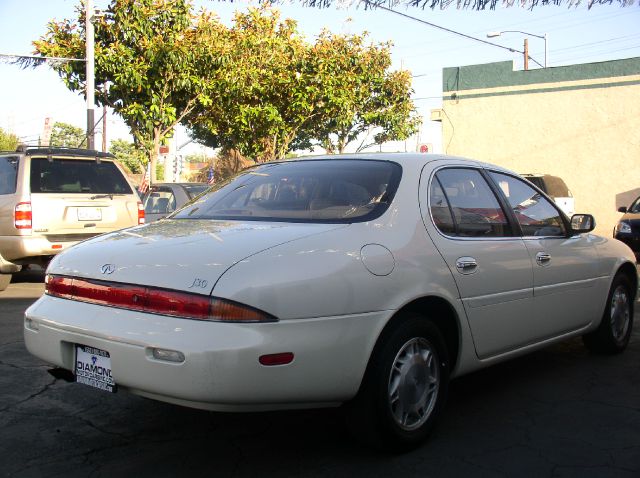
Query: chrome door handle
{"points": [[542, 258], [466, 265]]}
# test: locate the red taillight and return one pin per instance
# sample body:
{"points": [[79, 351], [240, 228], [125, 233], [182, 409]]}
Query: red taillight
{"points": [[152, 299], [23, 215], [140, 213], [59, 286], [178, 304]]}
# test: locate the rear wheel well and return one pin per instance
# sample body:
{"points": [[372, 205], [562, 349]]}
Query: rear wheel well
{"points": [[441, 313]]}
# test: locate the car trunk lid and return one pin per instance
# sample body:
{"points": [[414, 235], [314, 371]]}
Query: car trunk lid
{"points": [[178, 254]]}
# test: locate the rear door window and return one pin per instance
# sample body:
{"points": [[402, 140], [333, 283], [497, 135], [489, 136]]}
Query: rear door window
{"points": [[8, 174], [77, 177]]}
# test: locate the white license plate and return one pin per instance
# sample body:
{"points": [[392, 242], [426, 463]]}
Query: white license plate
{"points": [[89, 214], [93, 368]]}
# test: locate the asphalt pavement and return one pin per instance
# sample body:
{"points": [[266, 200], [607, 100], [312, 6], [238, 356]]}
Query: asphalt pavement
{"points": [[559, 412]]}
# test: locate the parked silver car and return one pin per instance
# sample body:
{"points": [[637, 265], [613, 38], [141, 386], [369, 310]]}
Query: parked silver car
{"points": [[164, 198]]}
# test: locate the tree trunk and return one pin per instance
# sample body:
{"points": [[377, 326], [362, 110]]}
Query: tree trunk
{"points": [[153, 156]]}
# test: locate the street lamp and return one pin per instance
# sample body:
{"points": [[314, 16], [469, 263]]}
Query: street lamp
{"points": [[526, 45]]}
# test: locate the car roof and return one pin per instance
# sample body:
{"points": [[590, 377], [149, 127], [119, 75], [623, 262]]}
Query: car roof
{"points": [[59, 151], [406, 160]]}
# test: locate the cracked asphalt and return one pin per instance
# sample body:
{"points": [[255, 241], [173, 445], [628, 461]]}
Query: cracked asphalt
{"points": [[559, 412]]}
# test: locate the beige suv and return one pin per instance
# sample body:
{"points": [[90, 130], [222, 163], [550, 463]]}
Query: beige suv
{"points": [[52, 198]]}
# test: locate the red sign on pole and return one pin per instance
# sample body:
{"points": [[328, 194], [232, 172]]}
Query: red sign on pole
{"points": [[424, 148]]}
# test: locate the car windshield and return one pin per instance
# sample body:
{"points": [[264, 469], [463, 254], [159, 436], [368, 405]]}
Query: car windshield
{"points": [[194, 189], [71, 176], [635, 206], [327, 190]]}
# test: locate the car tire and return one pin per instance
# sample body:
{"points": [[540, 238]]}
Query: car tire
{"points": [[612, 336], [404, 388], [5, 280]]}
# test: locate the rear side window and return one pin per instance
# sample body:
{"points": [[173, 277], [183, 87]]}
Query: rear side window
{"points": [[8, 174], [472, 210], [77, 177]]}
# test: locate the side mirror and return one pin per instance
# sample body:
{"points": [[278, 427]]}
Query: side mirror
{"points": [[622, 209], [581, 223]]}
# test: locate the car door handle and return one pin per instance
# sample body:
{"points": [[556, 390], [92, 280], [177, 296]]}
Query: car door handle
{"points": [[466, 265], [542, 258]]}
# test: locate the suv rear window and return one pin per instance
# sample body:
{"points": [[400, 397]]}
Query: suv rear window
{"points": [[326, 190], [8, 174], [77, 176]]}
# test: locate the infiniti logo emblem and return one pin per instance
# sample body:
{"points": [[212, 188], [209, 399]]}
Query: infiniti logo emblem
{"points": [[108, 268]]}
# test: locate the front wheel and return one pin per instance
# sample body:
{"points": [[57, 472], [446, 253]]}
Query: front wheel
{"points": [[404, 388], [612, 336]]}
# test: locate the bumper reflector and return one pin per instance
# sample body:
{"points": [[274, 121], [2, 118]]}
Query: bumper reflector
{"points": [[276, 359], [168, 355]]}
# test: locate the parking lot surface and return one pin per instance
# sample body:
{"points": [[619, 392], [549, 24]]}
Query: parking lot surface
{"points": [[560, 412]]}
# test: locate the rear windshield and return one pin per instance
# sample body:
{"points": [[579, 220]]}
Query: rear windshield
{"points": [[8, 174], [327, 190], [556, 187], [552, 185], [77, 176]]}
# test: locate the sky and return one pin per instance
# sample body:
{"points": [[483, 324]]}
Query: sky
{"points": [[575, 35]]}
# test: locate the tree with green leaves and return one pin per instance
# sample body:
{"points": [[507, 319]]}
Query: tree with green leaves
{"points": [[263, 99], [129, 155], [364, 100], [8, 141], [301, 94], [67, 135], [153, 62]]}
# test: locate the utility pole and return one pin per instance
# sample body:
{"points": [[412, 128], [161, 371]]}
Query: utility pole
{"points": [[104, 129], [89, 44], [526, 54]]}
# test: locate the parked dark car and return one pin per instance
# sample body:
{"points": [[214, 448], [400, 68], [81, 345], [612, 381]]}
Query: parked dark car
{"points": [[628, 228], [164, 198]]}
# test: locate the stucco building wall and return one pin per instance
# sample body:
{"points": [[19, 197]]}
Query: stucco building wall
{"points": [[579, 122]]}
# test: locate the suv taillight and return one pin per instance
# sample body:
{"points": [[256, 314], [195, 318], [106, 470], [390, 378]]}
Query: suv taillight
{"points": [[140, 213], [23, 215]]}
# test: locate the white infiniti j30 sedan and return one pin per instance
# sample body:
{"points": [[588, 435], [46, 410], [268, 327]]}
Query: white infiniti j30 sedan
{"points": [[369, 281]]}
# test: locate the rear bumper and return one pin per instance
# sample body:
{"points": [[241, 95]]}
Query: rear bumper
{"points": [[221, 370], [17, 248]]}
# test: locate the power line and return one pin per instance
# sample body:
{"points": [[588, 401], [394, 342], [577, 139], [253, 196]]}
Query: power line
{"points": [[433, 25]]}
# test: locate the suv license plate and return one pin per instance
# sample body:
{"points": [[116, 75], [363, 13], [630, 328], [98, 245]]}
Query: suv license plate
{"points": [[89, 214], [93, 368]]}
